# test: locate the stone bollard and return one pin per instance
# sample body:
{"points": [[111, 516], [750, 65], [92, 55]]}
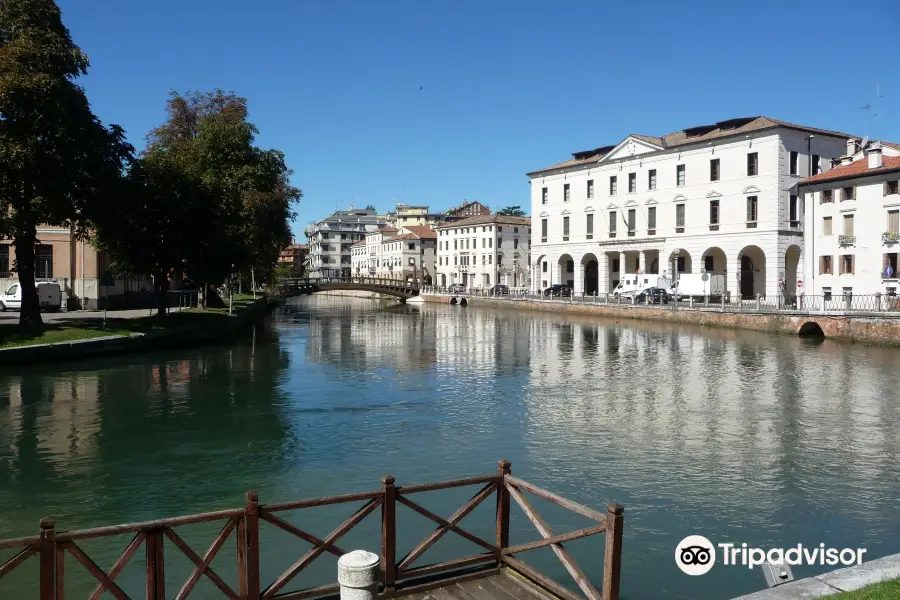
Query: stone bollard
{"points": [[358, 573]]}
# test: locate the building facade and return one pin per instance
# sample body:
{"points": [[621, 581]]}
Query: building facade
{"points": [[853, 224], [330, 240], [469, 209], [77, 267], [406, 254], [483, 251], [295, 256], [720, 198]]}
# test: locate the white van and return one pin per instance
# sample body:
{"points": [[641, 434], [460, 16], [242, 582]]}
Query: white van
{"points": [[49, 296], [699, 285], [635, 283]]}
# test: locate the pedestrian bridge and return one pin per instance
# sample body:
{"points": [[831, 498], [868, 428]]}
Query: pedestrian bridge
{"points": [[390, 287]]}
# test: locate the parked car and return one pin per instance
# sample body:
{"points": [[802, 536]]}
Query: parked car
{"points": [[499, 290], [557, 291], [657, 295], [49, 296], [457, 288]]}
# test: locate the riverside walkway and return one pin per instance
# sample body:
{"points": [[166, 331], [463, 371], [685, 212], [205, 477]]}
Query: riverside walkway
{"points": [[496, 573]]}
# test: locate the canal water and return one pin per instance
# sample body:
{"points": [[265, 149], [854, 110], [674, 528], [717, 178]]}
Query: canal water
{"points": [[737, 436]]}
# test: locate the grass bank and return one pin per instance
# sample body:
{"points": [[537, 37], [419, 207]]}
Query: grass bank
{"points": [[886, 590], [181, 328]]}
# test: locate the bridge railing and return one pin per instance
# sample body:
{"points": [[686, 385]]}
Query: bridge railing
{"points": [[835, 304], [301, 283], [248, 524]]}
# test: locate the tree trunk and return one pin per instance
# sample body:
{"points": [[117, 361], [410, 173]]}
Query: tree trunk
{"points": [[30, 313], [161, 284]]}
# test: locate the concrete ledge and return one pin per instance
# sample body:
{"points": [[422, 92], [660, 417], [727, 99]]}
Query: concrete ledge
{"points": [[184, 337], [883, 330], [842, 580]]}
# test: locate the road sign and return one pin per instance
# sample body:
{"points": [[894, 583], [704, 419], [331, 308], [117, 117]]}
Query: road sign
{"points": [[799, 283], [705, 277], [888, 271]]}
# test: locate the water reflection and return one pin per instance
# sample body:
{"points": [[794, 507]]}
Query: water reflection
{"points": [[739, 436]]}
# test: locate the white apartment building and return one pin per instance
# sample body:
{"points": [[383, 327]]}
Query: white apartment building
{"points": [[719, 198], [407, 254], [330, 240], [483, 251], [853, 224]]}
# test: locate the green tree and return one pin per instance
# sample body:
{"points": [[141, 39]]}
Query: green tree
{"points": [[371, 207], [511, 211], [55, 155]]}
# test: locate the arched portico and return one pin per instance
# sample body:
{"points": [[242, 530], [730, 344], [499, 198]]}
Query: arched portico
{"points": [[565, 272], [680, 262], [752, 261], [791, 270], [590, 274], [713, 261]]}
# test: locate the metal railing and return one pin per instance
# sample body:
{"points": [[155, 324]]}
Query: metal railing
{"points": [[882, 304]]}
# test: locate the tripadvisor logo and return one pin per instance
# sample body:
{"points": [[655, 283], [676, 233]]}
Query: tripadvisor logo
{"points": [[696, 555]]}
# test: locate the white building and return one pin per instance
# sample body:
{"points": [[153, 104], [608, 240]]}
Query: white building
{"points": [[853, 224], [718, 198], [483, 251], [407, 254], [330, 240]]}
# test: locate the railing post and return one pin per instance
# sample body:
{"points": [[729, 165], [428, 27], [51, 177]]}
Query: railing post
{"points": [[612, 559], [48, 559], [878, 301], [251, 545], [504, 469], [758, 302], [156, 578], [388, 533]]}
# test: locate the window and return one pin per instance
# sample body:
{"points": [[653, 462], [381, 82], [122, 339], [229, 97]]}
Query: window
{"points": [[566, 192], [826, 226], [412, 245], [590, 188], [615, 265], [543, 195], [825, 267], [893, 226], [679, 218], [632, 183], [793, 211], [565, 229], [714, 169], [826, 293], [543, 230], [713, 215], [827, 196], [515, 243], [752, 211], [848, 225], [794, 159], [679, 175], [515, 230], [613, 185], [680, 264], [612, 223], [651, 179], [651, 220], [491, 242], [752, 164], [484, 242], [814, 165], [846, 194], [590, 226], [4, 260], [43, 261], [708, 264], [848, 263], [544, 267], [891, 187], [632, 217]]}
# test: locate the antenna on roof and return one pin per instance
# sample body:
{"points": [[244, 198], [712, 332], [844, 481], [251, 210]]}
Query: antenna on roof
{"points": [[865, 142], [869, 116]]}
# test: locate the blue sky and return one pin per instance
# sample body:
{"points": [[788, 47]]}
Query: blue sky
{"points": [[434, 101]]}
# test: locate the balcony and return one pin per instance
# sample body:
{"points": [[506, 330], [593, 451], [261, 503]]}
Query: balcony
{"points": [[846, 240], [890, 237]]}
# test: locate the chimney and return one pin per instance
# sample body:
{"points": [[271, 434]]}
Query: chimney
{"points": [[852, 146], [875, 160], [846, 160]]}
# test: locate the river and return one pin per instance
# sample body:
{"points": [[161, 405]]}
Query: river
{"points": [[738, 436]]}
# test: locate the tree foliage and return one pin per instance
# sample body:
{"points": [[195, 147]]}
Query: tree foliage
{"points": [[228, 203], [55, 155], [511, 211]]}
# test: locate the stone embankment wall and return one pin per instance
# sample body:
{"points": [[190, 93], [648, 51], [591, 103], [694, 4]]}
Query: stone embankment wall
{"points": [[355, 294], [863, 329]]}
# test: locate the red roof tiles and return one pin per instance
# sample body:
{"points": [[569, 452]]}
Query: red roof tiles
{"points": [[858, 168]]}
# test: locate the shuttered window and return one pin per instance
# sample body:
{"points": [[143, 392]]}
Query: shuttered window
{"points": [[825, 265], [826, 226], [848, 224], [893, 221]]}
